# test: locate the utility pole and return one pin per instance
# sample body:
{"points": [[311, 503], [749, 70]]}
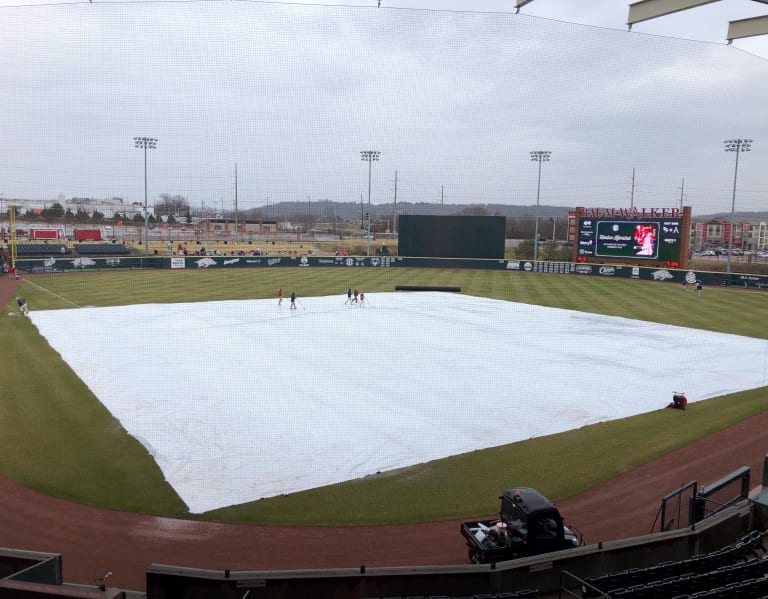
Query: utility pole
{"points": [[237, 230], [394, 208]]}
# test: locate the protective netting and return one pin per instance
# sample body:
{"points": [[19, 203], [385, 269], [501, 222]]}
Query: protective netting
{"points": [[454, 101]]}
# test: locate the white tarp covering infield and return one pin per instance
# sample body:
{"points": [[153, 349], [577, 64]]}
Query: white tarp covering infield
{"points": [[239, 400]]}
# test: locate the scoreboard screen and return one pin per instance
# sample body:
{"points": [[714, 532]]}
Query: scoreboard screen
{"points": [[451, 236], [656, 239]]}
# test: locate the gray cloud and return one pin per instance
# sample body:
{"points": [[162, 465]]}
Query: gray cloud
{"points": [[292, 93]]}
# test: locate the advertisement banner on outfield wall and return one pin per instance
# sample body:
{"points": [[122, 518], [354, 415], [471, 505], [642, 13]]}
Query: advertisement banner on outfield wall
{"points": [[77, 263], [709, 279], [267, 261], [235, 261], [663, 275]]}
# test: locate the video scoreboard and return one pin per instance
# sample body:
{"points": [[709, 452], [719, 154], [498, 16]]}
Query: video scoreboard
{"points": [[638, 238]]}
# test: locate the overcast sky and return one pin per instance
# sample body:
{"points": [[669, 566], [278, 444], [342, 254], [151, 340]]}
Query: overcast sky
{"points": [[454, 94]]}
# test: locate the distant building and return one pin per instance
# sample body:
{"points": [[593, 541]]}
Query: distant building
{"points": [[106, 206], [715, 232], [226, 226]]}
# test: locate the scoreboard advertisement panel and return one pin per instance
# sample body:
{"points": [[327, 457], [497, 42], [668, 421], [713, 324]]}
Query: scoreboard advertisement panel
{"points": [[632, 239]]}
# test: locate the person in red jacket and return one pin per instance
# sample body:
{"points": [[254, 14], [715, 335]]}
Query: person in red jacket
{"points": [[679, 401]]}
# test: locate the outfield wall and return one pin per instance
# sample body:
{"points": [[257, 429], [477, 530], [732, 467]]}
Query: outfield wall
{"points": [[708, 279]]}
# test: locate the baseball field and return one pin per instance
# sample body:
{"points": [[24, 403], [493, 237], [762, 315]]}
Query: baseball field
{"points": [[59, 439]]}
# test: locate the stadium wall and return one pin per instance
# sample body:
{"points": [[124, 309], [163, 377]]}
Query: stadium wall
{"points": [[36, 574], [708, 279], [542, 572]]}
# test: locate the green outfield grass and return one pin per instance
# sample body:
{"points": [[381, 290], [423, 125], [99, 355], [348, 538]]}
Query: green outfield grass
{"points": [[57, 438]]}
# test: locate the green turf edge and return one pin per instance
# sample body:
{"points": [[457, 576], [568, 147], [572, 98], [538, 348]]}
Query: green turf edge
{"points": [[57, 438], [558, 465]]}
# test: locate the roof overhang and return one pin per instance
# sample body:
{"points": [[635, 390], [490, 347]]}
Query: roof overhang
{"points": [[650, 9], [748, 27], [645, 10], [520, 3]]}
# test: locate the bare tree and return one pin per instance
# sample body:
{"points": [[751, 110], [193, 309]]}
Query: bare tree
{"points": [[474, 210], [171, 204]]}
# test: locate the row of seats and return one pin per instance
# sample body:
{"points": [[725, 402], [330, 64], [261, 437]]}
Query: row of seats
{"points": [[700, 564], [101, 249], [737, 574], [748, 589], [42, 249], [522, 594], [52, 250]]}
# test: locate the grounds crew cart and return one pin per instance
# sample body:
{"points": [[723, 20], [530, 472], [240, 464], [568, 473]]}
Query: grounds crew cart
{"points": [[528, 524]]}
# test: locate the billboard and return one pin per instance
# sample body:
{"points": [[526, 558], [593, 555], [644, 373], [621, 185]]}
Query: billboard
{"points": [[88, 235], [631, 239], [451, 236], [35, 234]]}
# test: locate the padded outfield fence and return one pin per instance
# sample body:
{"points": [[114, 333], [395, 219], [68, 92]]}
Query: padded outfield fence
{"points": [[55, 264]]}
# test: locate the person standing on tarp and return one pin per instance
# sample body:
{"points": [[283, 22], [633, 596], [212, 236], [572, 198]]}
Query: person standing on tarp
{"points": [[280, 296], [293, 300]]}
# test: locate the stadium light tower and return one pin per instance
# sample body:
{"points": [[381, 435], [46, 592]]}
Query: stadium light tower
{"points": [[369, 156], [147, 143], [538, 156], [738, 146]]}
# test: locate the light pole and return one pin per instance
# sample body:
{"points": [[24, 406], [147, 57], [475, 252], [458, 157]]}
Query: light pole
{"points": [[147, 143], [369, 156], [738, 146], [538, 156]]}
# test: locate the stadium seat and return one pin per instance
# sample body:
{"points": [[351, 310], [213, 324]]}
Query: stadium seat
{"points": [[101, 249], [42, 249]]}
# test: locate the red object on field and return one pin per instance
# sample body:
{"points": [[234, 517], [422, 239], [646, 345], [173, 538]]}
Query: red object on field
{"points": [[679, 401], [88, 234]]}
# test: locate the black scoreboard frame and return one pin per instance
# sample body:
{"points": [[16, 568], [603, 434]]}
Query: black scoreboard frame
{"points": [[454, 236]]}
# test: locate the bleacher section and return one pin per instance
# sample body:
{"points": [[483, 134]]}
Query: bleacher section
{"points": [[740, 570], [42, 250], [101, 249], [52, 250]]}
